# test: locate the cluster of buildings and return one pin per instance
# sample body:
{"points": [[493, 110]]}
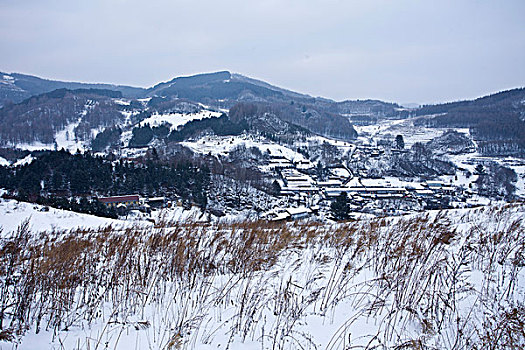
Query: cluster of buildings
{"points": [[309, 193], [129, 202], [306, 192]]}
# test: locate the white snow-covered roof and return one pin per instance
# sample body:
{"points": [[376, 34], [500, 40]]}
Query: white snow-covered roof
{"points": [[435, 183], [156, 199], [281, 216], [341, 172], [298, 211], [362, 190], [282, 164], [376, 183], [424, 192], [299, 178], [305, 188], [304, 166], [328, 183]]}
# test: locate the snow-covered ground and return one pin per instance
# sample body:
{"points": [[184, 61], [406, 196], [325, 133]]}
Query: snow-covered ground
{"points": [[13, 213], [470, 161], [127, 117], [122, 102], [34, 146], [4, 162], [412, 134], [518, 165], [222, 145], [178, 119], [26, 160], [439, 280], [520, 184], [321, 139], [67, 140], [64, 138], [405, 127], [379, 128]]}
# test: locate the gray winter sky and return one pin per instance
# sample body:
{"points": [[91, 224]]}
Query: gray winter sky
{"points": [[395, 50]]}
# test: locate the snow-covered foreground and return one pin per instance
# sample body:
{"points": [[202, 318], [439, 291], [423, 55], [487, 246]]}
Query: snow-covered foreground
{"points": [[441, 280], [14, 213]]}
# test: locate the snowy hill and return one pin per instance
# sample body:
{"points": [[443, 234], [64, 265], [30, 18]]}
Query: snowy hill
{"points": [[16, 87], [175, 120]]}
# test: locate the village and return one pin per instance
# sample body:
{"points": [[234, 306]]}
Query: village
{"points": [[302, 193], [312, 196]]}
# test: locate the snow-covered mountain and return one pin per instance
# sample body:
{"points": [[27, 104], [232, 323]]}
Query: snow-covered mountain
{"points": [[16, 87], [496, 120]]}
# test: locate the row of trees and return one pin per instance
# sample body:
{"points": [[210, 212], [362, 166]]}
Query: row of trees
{"points": [[496, 181], [60, 174]]}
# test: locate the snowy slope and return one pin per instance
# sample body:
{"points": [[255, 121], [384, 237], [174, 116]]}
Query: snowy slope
{"points": [[13, 213], [178, 119], [26, 160], [4, 162], [222, 145], [438, 280], [66, 139], [411, 133]]}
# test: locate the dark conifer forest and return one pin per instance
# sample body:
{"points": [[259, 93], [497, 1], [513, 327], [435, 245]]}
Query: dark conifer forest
{"points": [[67, 181]]}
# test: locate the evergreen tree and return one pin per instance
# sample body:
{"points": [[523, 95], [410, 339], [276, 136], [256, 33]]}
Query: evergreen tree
{"points": [[480, 169], [141, 136], [400, 142], [276, 188], [340, 208]]}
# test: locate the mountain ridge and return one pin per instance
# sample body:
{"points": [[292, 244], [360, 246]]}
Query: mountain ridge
{"points": [[21, 82], [497, 120], [15, 87]]}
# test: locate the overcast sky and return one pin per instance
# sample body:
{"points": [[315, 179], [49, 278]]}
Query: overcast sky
{"points": [[395, 50]]}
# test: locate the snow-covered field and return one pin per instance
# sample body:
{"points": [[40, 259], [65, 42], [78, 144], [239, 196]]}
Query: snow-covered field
{"points": [[222, 145], [178, 119], [4, 162], [440, 280], [14, 213], [66, 139], [405, 127], [34, 146]]}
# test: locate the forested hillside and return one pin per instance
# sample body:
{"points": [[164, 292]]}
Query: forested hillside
{"points": [[53, 176], [16, 87], [40, 118], [497, 121]]}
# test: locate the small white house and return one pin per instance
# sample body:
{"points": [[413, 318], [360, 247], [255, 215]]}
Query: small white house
{"points": [[299, 213]]}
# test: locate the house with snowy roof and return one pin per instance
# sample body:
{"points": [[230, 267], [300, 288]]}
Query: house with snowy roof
{"points": [[127, 200]]}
